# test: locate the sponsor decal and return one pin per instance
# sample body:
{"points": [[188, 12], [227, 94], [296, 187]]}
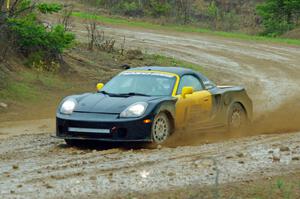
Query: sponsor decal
{"points": [[147, 73]]}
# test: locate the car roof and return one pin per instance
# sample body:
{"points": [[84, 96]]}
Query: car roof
{"points": [[176, 70]]}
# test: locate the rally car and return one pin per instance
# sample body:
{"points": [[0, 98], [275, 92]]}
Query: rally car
{"points": [[149, 104]]}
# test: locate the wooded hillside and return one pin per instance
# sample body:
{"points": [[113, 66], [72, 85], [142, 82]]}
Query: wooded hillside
{"points": [[269, 17]]}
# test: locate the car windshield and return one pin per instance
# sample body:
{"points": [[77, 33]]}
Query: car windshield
{"points": [[139, 83]]}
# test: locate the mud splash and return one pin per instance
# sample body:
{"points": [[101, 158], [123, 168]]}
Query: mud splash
{"points": [[284, 119]]}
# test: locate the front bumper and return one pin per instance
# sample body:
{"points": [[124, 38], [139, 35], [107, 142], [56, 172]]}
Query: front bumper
{"points": [[103, 127]]}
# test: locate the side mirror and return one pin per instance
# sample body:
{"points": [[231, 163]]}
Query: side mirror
{"points": [[187, 91], [99, 86]]}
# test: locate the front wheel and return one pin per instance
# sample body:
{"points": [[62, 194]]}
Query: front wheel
{"points": [[161, 128], [237, 118]]}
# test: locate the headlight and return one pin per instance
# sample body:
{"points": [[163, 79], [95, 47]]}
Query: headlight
{"points": [[68, 106], [135, 110]]}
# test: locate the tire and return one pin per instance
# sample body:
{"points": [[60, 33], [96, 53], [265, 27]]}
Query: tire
{"points": [[237, 119], [161, 128]]}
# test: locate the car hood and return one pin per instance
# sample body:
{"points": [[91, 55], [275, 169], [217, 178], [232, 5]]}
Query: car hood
{"points": [[101, 103]]}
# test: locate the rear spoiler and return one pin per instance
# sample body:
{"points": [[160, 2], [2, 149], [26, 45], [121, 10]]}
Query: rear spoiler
{"points": [[125, 66]]}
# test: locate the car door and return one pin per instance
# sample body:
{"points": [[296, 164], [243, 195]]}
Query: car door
{"points": [[194, 108]]}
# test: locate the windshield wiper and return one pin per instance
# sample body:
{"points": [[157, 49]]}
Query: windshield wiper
{"points": [[122, 94], [133, 94], [110, 94], [104, 92]]}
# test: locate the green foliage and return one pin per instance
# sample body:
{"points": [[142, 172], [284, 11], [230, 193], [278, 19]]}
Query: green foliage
{"points": [[36, 41], [28, 32], [279, 184], [130, 8], [24, 4], [159, 9], [58, 39], [213, 13], [32, 36], [49, 8], [279, 16], [213, 10]]}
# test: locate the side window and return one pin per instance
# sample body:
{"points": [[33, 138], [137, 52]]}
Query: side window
{"points": [[191, 81]]}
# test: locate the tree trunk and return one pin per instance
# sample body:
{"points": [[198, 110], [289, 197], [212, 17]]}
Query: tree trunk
{"points": [[3, 11]]}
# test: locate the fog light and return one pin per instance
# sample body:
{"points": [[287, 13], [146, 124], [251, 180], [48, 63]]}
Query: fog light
{"points": [[147, 121]]}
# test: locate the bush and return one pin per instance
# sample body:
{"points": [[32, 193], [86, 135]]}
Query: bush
{"points": [[279, 16], [158, 9], [275, 28], [130, 8], [31, 37]]}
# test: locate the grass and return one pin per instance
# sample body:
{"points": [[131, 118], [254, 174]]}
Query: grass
{"points": [[31, 87], [19, 91], [45, 79], [279, 188], [113, 20], [285, 187]]}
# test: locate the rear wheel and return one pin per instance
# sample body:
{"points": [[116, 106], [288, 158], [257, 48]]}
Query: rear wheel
{"points": [[237, 118], [161, 128]]}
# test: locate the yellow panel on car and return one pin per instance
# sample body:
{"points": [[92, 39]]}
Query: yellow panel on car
{"points": [[195, 107]]}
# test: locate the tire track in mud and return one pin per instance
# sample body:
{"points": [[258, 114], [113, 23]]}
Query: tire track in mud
{"points": [[40, 166]]}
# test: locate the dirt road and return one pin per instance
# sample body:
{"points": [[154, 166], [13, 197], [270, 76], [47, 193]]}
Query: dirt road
{"points": [[34, 165], [37, 166]]}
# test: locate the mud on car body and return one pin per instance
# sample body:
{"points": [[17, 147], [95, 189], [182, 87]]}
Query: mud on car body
{"points": [[148, 104]]}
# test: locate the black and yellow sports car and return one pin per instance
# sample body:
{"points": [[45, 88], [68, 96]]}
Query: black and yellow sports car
{"points": [[148, 104]]}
